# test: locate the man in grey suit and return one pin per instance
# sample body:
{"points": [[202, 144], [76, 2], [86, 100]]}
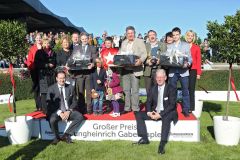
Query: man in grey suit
{"points": [[181, 74], [151, 64], [131, 75], [62, 105], [83, 76]]}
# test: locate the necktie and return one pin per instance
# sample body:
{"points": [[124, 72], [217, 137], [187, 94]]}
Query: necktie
{"points": [[62, 106], [159, 100], [84, 49]]}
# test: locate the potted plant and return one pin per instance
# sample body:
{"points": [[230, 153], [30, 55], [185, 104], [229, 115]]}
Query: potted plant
{"points": [[224, 38], [18, 128]]}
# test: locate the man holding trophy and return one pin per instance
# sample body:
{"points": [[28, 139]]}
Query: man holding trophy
{"points": [[131, 74], [81, 65], [182, 56], [151, 64]]}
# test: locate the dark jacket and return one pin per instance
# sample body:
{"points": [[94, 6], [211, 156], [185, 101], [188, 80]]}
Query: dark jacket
{"points": [[102, 77], [45, 73], [54, 100], [62, 57], [169, 101]]}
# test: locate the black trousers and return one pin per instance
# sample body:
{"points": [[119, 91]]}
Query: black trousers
{"points": [[149, 81], [74, 116], [141, 126], [35, 88], [83, 83], [192, 83]]}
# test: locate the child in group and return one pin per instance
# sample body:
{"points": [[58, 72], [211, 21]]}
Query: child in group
{"points": [[114, 90], [98, 79]]}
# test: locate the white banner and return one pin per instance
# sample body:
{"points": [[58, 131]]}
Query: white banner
{"points": [[97, 130]]}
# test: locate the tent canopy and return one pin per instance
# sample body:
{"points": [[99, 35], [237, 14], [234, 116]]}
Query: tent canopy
{"points": [[36, 16]]}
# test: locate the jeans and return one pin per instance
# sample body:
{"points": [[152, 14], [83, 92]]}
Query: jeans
{"points": [[185, 92], [98, 102]]}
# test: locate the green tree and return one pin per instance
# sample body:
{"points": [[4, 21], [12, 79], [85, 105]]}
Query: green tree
{"points": [[12, 39], [225, 39]]}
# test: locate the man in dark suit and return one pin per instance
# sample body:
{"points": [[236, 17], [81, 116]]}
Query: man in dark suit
{"points": [[62, 105], [161, 105], [83, 76], [75, 41]]}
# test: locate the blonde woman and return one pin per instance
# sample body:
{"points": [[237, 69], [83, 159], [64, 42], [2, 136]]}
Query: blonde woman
{"points": [[31, 67], [45, 63], [195, 70], [64, 53]]}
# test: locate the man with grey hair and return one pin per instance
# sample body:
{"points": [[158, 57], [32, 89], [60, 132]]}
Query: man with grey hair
{"points": [[131, 75], [161, 105]]}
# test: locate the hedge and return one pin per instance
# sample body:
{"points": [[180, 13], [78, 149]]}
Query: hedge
{"points": [[210, 80], [23, 86]]}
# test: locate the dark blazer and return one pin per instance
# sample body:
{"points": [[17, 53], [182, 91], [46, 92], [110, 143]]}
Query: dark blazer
{"points": [[45, 73], [102, 77], [62, 57], [169, 101], [54, 100]]}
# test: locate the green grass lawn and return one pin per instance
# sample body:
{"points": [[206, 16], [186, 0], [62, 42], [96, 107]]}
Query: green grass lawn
{"points": [[207, 149]]}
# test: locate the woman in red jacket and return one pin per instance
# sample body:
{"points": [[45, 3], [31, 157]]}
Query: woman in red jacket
{"points": [[34, 75], [195, 70]]}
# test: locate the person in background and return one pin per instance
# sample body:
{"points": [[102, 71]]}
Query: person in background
{"points": [[161, 105], [45, 62], [195, 69], [65, 52], [114, 90], [154, 49], [33, 71], [169, 38], [181, 74], [98, 78], [75, 41]]}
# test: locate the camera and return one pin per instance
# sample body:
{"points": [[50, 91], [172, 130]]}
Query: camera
{"points": [[154, 61]]}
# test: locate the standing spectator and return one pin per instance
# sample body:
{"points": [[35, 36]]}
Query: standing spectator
{"points": [[206, 49], [75, 41], [116, 41], [154, 49], [195, 70], [182, 74], [45, 62], [169, 38], [98, 78], [33, 71], [131, 75], [64, 54], [140, 36]]}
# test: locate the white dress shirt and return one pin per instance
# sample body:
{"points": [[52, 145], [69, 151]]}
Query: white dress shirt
{"points": [[64, 97]]}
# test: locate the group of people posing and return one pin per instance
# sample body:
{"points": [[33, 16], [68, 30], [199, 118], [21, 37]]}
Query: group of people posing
{"points": [[84, 91]]}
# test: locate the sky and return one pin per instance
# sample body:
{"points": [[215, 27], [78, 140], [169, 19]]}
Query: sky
{"points": [[114, 16]]}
